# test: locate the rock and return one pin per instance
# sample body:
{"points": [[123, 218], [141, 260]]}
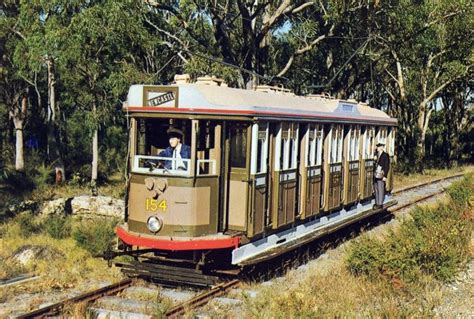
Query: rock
{"points": [[97, 205], [55, 207], [29, 253], [85, 205], [22, 207]]}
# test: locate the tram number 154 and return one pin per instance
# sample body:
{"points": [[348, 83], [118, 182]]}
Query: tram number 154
{"points": [[154, 204]]}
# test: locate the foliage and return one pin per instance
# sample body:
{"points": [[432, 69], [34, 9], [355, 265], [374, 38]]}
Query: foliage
{"points": [[28, 225], [435, 241], [56, 226], [96, 236], [349, 49]]}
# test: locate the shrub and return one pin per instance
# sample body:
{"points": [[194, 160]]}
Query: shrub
{"points": [[57, 227], [461, 191], [28, 224], [95, 236], [434, 242]]}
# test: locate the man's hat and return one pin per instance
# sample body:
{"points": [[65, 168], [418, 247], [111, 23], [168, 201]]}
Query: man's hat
{"points": [[174, 132], [380, 144]]}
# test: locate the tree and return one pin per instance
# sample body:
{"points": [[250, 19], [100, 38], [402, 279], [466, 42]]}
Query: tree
{"points": [[241, 33], [103, 41], [13, 89], [425, 50]]}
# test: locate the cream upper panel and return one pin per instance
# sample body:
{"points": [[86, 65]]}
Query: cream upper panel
{"points": [[203, 98]]}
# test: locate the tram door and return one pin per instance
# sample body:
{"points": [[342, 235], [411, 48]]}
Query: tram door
{"points": [[237, 146], [351, 164], [311, 171], [367, 162], [259, 181], [333, 167], [285, 175], [247, 177]]}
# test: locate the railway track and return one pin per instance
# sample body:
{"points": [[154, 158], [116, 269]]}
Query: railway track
{"points": [[201, 298]]}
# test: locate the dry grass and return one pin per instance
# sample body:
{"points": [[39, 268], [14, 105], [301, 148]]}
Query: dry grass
{"points": [[72, 268], [402, 180]]}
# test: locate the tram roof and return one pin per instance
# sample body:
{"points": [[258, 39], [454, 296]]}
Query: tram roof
{"points": [[204, 99]]}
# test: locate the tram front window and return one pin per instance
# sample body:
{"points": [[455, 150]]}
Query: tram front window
{"points": [[163, 146]]}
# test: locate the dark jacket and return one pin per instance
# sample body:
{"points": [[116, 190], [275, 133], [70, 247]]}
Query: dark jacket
{"points": [[168, 152], [384, 161]]}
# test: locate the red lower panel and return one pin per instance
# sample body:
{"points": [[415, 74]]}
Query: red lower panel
{"points": [[192, 244]]}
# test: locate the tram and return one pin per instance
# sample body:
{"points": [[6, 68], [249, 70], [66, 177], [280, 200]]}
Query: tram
{"points": [[221, 177]]}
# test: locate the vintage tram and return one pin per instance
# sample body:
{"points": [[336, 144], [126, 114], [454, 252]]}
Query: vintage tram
{"points": [[264, 171]]}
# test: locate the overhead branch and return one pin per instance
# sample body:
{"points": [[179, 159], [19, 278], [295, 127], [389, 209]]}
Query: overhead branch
{"points": [[286, 8], [184, 24], [164, 32], [299, 52], [445, 84]]}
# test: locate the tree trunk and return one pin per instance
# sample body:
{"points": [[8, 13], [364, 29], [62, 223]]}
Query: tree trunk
{"points": [[18, 115], [95, 154], [53, 149], [19, 158]]}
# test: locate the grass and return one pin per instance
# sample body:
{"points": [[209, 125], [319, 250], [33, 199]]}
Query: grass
{"points": [[70, 267], [400, 273]]}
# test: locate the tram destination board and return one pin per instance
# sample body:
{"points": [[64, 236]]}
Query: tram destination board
{"points": [[161, 99]]}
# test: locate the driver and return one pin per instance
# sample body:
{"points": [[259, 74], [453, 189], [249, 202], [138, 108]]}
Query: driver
{"points": [[176, 151]]}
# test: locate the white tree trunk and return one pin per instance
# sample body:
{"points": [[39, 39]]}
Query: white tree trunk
{"points": [[95, 150], [18, 114], [19, 158], [95, 155]]}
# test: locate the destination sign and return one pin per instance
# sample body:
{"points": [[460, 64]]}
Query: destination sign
{"points": [[161, 99]]}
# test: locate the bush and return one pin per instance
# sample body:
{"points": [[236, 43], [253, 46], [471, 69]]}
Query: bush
{"points": [[57, 227], [95, 236], [28, 225], [434, 242]]}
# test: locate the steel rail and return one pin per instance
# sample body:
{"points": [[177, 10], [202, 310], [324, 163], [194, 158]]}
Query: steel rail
{"points": [[202, 298], [407, 188], [88, 297]]}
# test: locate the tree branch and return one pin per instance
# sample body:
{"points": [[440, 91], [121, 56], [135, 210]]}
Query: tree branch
{"points": [[442, 86], [300, 52]]}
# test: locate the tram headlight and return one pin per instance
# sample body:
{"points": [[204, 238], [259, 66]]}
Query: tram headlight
{"points": [[154, 224]]}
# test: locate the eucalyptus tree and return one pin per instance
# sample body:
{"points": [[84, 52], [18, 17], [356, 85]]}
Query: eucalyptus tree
{"points": [[240, 33], [424, 49], [104, 43], [13, 88]]}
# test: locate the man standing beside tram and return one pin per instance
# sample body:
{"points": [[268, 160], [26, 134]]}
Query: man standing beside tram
{"points": [[382, 168]]}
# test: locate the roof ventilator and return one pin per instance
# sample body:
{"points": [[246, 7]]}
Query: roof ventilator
{"points": [[211, 80], [273, 89]]}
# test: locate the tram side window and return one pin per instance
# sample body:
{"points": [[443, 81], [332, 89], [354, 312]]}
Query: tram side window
{"points": [[260, 152], [289, 138], [207, 154], [354, 143], [336, 144], [368, 143], [315, 136], [238, 147], [158, 142]]}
